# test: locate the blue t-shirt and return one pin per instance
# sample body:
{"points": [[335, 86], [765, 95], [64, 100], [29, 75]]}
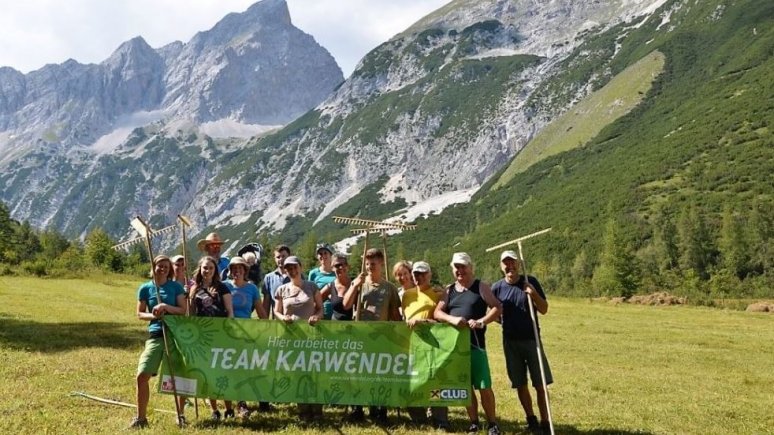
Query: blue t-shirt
{"points": [[517, 323], [223, 268], [243, 299], [321, 279], [169, 293]]}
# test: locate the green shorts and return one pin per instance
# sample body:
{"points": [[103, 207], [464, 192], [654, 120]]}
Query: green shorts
{"points": [[151, 357], [480, 375], [520, 356]]}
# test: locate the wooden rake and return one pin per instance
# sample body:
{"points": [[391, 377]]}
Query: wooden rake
{"points": [[370, 226], [538, 343], [146, 232]]}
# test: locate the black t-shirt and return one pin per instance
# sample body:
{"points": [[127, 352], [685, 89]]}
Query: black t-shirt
{"points": [[210, 303], [470, 306], [517, 324], [337, 304]]}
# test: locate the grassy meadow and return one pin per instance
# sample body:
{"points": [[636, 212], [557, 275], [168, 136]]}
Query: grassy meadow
{"points": [[618, 368]]}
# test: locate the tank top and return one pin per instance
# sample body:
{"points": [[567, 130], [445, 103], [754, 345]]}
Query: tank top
{"points": [[469, 305], [337, 303]]}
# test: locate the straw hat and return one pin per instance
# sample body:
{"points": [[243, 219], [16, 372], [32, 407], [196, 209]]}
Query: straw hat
{"points": [[211, 239]]}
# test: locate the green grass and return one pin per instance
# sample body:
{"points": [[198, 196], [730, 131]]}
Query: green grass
{"points": [[586, 119], [618, 368]]}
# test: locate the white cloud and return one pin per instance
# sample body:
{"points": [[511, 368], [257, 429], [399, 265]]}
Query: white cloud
{"points": [[37, 32]]}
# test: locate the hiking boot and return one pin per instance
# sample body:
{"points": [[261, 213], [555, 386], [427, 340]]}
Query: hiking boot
{"points": [[181, 421], [545, 427], [242, 410], [215, 415], [493, 429], [473, 428], [138, 423], [229, 414], [532, 424], [265, 407]]}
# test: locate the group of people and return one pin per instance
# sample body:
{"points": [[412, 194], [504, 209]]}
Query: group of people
{"points": [[225, 288]]}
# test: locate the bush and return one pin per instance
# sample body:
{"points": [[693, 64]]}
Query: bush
{"points": [[34, 267]]}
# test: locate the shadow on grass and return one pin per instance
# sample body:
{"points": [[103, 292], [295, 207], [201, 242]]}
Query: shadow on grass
{"points": [[25, 334], [284, 419]]}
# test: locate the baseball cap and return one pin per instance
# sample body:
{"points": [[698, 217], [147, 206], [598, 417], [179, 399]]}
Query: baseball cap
{"points": [[509, 254], [461, 258], [292, 260], [420, 266]]}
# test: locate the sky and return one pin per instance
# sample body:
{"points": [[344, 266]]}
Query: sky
{"points": [[38, 32]]}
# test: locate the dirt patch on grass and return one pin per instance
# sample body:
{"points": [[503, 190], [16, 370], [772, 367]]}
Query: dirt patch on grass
{"points": [[658, 298], [760, 307]]}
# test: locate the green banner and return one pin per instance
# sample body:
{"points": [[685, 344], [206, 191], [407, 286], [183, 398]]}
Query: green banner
{"points": [[349, 363]]}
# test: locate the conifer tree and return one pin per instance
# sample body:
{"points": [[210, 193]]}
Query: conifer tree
{"points": [[695, 243], [618, 271], [734, 251]]}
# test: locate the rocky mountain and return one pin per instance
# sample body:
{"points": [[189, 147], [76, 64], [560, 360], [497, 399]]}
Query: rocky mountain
{"points": [[254, 68], [426, 119]]}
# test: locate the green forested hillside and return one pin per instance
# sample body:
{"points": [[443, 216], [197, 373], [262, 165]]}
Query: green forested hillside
{"points": [[675, 195]]}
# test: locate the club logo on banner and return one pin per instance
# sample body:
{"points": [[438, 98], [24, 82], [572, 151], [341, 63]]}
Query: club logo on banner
{"points": [[352, 363]]}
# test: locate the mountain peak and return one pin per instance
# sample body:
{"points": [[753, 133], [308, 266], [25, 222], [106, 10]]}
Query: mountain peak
{"points": [[274, 9]]}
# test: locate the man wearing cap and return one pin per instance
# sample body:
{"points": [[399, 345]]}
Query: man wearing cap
{"points": [[418, 304], [323, 275], [211, 245], [519, 338], [469, 303], [379, 301], [178, 266]]}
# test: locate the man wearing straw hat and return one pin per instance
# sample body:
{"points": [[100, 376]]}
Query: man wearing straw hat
{"points": [[519, 337], [469, 303], [211, 245]]}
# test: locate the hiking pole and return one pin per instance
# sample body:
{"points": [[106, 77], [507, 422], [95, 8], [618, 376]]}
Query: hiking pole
{"points": [[362, 271], [141, 227], [185, 222], [538, 343]]}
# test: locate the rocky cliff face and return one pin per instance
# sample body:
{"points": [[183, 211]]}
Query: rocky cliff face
{"points": [[254, 68], [438, 109]]}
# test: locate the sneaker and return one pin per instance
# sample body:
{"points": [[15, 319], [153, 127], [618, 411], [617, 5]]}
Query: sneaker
{"points": [[242, 410], [138, 423], [493, 429], [229, 414], [473, 428], [532, 424], [265, 407], [181, 421], [215, 415]]}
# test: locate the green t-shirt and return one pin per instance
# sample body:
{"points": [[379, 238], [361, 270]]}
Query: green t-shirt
{"points": [[379, 300]]}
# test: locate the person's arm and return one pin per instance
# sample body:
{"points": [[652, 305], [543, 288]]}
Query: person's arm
{"points": [[258, 306], [318, 308], [394, 313], [279, 310], [350, 297], [535, 294], [325, 292], [495, 307], [142, 311], [228, 301], [442, 316]]}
